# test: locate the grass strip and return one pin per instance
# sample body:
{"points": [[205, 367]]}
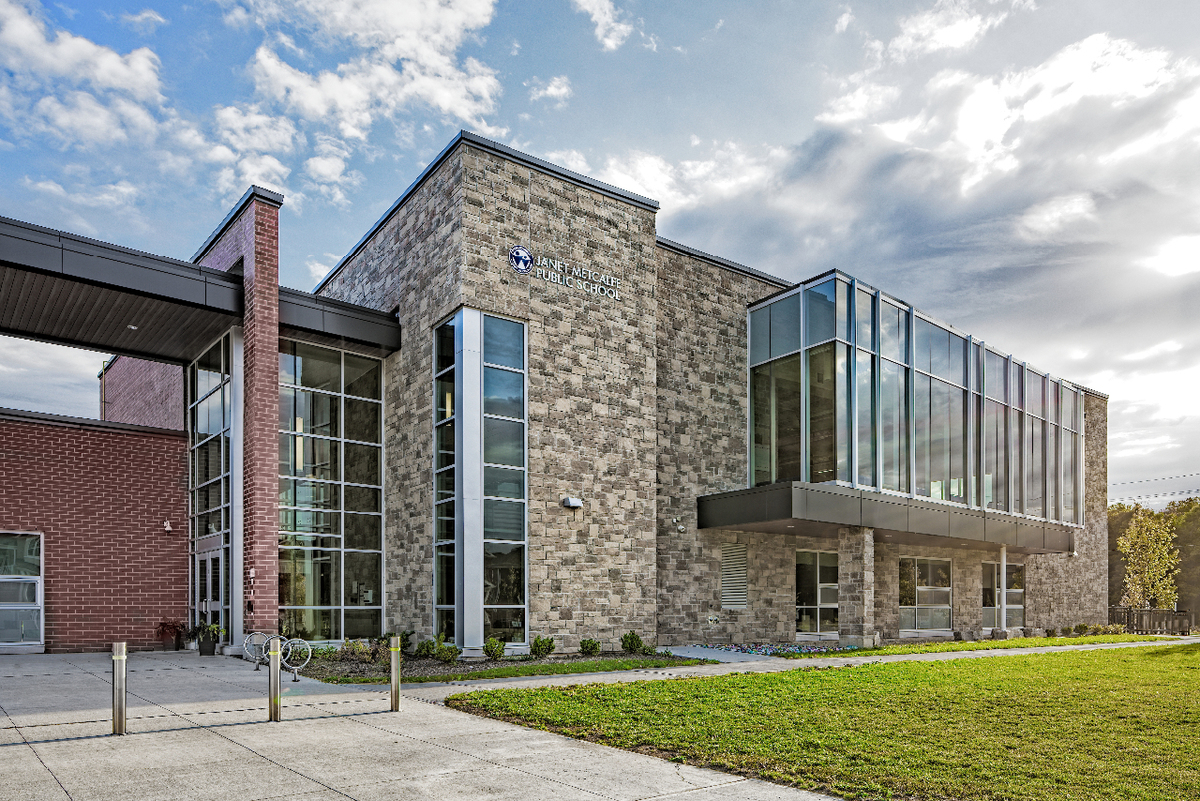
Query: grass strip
{"points": [[597, 666], [978, 645], [1062, 726]]}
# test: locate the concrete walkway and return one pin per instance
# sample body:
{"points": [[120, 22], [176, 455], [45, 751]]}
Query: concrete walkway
{"points": [[197, 728]]}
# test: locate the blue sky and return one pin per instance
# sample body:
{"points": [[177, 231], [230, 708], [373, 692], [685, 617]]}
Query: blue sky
{"points": [[1027, 171]]}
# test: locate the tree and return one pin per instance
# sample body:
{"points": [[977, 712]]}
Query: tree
{"points": [[1151, 561]]}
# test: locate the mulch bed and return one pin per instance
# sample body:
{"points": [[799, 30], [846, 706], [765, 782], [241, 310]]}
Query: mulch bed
{"points": [[332, 668]]}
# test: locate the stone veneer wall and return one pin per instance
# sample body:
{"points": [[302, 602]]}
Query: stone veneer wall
{"points": [[592, 427], [702, 423], [592, 373], [413, 263]]}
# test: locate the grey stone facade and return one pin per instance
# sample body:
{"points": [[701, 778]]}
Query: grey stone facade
{"points": [[637, 405]]}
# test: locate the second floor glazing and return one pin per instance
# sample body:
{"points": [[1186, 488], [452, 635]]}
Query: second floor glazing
{"points": [[851, 386]]}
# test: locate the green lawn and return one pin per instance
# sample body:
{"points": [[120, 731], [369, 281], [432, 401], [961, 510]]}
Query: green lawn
{"points": [[1110, 724], [518, 669], [978, 645]]}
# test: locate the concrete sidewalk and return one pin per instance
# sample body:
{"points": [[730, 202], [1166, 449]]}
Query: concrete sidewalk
{"points": [[197, 729]]}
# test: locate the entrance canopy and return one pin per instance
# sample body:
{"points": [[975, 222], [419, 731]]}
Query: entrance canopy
{"points": [[67, 289], [797, 507]]}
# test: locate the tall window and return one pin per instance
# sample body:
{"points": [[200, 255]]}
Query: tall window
{"points": [[21, 590], [504, 480], [816, 592], [925, 595], [445, 478], [480, 487], [330, 493], [210, 412]]}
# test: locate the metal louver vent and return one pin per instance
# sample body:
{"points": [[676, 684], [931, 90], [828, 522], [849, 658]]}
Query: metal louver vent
{"points": [[733, 575]]}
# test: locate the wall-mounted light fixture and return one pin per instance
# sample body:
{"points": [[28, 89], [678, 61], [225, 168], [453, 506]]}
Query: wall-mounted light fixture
{"points": [[572, 503], [167, 526]]}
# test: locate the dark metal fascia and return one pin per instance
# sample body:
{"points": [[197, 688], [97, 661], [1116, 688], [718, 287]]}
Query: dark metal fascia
{"points": [[524, 159], [255, 192], [338, 318], [225, 286], [732, 266]]}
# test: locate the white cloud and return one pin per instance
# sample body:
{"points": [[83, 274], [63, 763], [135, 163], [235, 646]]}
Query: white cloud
{"points": [[1170, 346], [404, 54], [27, 48], [145, 21], [1175, 257], [319, 268], [250, 130], [1055, 214], [109, 196], [865, 101], [516, 48], [571, 159], [557, 89], [728, 171], [611, 33], [55, 379], [843, 22], [949, 25]]}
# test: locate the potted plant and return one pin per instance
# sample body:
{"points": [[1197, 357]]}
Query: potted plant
{"points": [[206, 636], [169, 630]]}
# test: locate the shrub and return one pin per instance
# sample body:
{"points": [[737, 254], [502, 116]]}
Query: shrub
{"points": [[1081, 628], [427, 649], [631, 643], [589, 647], [1051, 632], [447, 653], [542, 646], [493, 648], [649, 650]]}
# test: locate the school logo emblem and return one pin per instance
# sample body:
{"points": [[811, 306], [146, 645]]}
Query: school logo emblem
{"points": [[520, 259]]}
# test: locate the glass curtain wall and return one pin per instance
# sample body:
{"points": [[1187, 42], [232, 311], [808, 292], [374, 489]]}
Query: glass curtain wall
{"points": [[209, 418], [852, 387], [21, 593], [480, 436], [330, 493]]}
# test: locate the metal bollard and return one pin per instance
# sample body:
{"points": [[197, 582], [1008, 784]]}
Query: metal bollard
{"points": [[118, 716], [273, 689], [395, 649]]}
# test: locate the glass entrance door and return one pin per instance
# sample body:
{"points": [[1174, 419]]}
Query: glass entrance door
{"points": [[210, 600], [1014, 589]]}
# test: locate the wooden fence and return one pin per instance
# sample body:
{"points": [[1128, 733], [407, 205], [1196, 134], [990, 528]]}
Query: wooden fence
{"points": [[1151, 621]]}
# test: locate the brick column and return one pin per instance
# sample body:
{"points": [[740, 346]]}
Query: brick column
{"points": [[856, 586], [250, 236]]}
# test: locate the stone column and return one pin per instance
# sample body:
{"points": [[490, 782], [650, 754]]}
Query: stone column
{"points": [[856, 587]]}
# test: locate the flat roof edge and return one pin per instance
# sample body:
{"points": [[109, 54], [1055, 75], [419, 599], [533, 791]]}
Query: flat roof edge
{"points": [[732, 266], [23, 416], [255, 192], [503, 151]]}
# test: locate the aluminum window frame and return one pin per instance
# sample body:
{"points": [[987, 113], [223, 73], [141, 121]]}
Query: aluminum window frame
{"points": [[40, 590], [341, 607]]}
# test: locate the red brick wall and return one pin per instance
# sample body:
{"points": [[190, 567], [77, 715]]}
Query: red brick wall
{"points": [[143, 393], [253, 238], [99, 494]]}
